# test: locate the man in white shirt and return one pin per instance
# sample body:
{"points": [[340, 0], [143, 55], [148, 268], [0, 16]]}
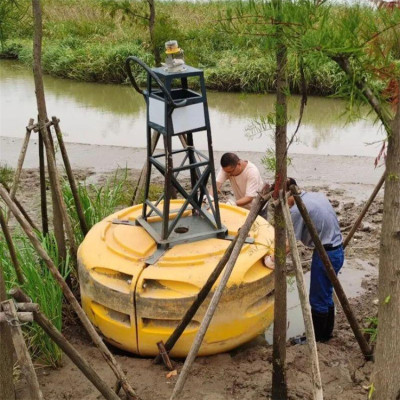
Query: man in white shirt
{"points": [[244, 176]]}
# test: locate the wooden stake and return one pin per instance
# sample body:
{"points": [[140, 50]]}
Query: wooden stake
{"points": [[23, 356], [71, 179], [66, 347], [259, 202], [138, 191], [201, 296], [70, 297], [364, 346], [24, 213], [43, 198], [58, 216], [305, 305], [11, 249], [364, 210], [21, 316], [20, 163]]}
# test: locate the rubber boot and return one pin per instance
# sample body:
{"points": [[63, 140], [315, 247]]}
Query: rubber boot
{"points": [[320, 322], [330, 323]]}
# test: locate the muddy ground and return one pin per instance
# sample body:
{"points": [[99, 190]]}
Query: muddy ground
{"points": [[244, 373]]}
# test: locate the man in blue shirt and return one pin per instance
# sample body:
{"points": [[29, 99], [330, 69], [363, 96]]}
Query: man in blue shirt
{"points": [[326, 223]]}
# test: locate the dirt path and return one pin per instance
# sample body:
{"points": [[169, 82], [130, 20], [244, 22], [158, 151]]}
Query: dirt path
{"points": [[245, 373]]}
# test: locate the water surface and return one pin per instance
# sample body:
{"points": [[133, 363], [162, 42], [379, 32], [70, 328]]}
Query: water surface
{"points": [[115, 115]]}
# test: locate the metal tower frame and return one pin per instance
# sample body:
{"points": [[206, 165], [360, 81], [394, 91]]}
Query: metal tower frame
{"points": [[174, 110]]}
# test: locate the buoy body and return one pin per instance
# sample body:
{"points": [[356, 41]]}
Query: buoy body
{"points": [[135, 305]]}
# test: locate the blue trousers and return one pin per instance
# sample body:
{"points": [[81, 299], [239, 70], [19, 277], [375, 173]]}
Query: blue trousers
{"points": [[321, 288]]}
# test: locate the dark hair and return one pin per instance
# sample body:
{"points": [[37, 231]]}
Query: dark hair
{"points": [[229, 160], [289, 182]]}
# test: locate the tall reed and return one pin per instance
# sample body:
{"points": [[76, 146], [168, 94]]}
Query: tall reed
{"points": [[41, 287]]}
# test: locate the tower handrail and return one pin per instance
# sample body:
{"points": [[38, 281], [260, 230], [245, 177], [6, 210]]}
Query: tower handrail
{"points": [[168, 97]]}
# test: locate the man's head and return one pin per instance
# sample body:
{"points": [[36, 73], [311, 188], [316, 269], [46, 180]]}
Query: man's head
{"points": [[289, 182], [231, 164]]}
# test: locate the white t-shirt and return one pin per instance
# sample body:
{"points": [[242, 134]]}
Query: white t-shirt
{"points": [[248, 183]]}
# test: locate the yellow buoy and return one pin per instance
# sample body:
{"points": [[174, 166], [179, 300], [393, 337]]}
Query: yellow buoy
{"points": [[135, 305]]}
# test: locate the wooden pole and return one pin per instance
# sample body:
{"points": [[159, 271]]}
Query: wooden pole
{"points": [[305, 305], [364, 210], [20, 163], [70, 297], [70, 175], [279, 381], [259, 202], [42, 126], [201, 296], [23, 356], [58, 215], [43, 198], [138, 191], [21, 316], [365, 348], [11, 249], [6, 360], [66, 347], [24, 213]]}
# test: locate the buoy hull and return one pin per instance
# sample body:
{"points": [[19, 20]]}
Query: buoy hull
{"points": [[135, 305]]}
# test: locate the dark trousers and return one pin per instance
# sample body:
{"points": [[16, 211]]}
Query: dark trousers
{"points": [[321, 289]]}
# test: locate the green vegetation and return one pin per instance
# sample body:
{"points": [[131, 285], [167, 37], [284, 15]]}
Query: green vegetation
{"points": [[41, 287], [372, 330], [99, 201], [6, 175], [86, 40]]}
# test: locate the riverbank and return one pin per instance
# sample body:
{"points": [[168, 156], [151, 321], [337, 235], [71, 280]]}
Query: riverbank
{"points": [[355, 175], [244, 373], [89, 41]]}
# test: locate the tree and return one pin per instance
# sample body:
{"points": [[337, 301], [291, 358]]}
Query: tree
{"points": [[385, 379], [137, 12], [367, 52], [12, 12]]}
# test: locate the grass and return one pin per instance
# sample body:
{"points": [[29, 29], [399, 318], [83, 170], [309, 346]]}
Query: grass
{"points": [[84, 41], [6, 175], [99, 201], [41, 287], [372, 330]]}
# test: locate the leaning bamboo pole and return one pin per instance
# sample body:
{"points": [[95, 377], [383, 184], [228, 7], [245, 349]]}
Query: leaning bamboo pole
{"points": [[256, 207], [364, 346], [11, 249], [24, 359], [20, 162], [21, 208], [70, 297], [201, 296], [305, 305], [70, 176], [66, 347], [364, 210]]}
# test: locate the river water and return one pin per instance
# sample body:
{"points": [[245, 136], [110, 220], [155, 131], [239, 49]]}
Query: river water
{"points": [[114, 115]]}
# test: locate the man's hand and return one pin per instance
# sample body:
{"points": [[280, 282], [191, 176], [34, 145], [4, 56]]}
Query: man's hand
{"points": [[269, 261], [231, 202]]}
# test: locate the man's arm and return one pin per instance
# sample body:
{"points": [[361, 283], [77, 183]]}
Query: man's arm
{"points": [[244, 201], [219, 184]]}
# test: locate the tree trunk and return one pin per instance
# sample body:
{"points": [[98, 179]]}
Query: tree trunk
{"points": [[152, 20], [7, 350], [279, 386], [385, 376], [42, 118]]}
